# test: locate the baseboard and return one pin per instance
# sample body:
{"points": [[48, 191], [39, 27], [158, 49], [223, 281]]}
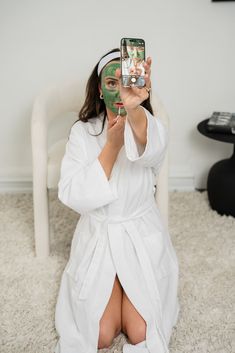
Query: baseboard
{"points": [[181, 178], [16, 186], [176, 183], [181, 183]]}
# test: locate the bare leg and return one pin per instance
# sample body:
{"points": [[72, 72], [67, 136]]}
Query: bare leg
{"points": [[110, 322], [133, 324]]}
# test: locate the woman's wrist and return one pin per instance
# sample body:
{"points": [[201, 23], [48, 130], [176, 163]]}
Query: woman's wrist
{"points": [[133, 110], [112, 147], [108, 156]]}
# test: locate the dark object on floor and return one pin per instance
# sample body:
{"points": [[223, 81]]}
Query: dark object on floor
{"points": [[221, 177]]}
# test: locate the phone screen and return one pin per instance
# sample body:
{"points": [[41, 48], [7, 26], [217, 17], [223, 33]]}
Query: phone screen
{"points": [[132, 59]]}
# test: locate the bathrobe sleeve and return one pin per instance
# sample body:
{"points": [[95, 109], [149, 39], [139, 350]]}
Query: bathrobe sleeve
{"points": [[83, 184], [152, 154]]}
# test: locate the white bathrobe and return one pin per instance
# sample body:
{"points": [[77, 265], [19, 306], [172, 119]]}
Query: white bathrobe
{"points": [[120, 231]]}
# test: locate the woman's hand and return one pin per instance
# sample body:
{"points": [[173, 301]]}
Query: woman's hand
{"points": [[132, 97], [115, 132]]}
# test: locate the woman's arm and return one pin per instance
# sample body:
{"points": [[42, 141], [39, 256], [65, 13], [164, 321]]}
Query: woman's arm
{"points": [[138, 121], [83, 184], [152, 154], [107, 158], [132, 97]]}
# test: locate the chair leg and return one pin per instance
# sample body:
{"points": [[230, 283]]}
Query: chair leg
{"points": [[41, 223]]}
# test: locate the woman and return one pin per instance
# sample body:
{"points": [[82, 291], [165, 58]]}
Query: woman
{"points": [[122, 274]]}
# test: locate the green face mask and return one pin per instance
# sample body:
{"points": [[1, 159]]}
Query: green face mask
{"points": [[110, 88]]}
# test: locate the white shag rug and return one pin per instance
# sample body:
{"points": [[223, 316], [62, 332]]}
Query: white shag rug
{"points": [[204, 243]]}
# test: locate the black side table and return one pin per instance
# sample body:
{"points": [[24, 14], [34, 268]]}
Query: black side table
{"points": [[221, 177]]}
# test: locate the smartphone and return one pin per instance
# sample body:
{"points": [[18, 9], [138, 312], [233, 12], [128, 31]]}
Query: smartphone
{"points": [[132, 60]]}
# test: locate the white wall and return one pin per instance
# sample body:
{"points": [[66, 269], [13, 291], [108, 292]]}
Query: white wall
{"points": [[192, 45]]}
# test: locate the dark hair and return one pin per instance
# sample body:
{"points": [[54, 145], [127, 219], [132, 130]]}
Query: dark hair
{"points": [[93, 105]]}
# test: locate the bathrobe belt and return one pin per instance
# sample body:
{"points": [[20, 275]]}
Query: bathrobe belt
{"points": [[113, 225]]}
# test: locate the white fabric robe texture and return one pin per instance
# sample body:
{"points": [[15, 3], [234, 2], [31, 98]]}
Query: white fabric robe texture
{"points": [[120, 231]]}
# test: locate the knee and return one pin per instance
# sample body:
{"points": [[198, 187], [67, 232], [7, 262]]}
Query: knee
{"points": [[136, 332], [106, 335]]}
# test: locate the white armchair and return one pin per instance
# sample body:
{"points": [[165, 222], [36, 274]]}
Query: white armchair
{"points": [[53, 102]]}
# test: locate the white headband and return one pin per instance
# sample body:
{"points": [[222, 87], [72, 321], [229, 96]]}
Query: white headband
{"points": [[106, 59]]}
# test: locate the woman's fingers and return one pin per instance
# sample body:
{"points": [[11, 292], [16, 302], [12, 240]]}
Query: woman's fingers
{"points": [[147, 81], [118, 73], [113, 122], [147, 64], [117, 122], [118, 76]]}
